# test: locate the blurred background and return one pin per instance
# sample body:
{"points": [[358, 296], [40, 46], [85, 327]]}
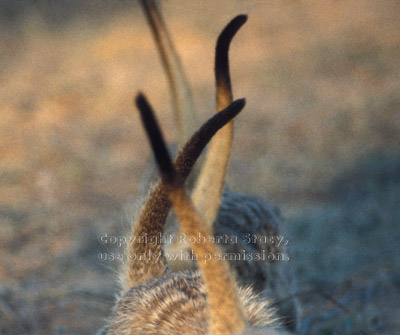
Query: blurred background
{"points": [[320, 138]]}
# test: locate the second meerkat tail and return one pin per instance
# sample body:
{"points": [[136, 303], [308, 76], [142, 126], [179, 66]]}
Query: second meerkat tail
{"points": [[209, 187], [182, 99], [225, 312]]}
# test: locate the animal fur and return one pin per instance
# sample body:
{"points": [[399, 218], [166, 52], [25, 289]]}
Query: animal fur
{"points": [[205, 301], [225, 213], [155, 300]]}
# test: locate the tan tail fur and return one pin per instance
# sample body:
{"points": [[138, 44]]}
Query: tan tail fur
{"points": [[208, 190], [207, 193]]}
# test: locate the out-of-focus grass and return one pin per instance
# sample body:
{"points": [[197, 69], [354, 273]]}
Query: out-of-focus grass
{"points": [[368, 215], [350, 247], [321, 81]]}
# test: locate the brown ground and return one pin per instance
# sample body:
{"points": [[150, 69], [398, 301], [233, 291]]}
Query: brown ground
{"points": [[319, 137]]}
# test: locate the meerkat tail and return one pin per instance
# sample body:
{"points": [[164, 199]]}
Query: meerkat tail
{"points": [[208, 190], [150, 222], [182, 99], [222, 74], [225, 313]]}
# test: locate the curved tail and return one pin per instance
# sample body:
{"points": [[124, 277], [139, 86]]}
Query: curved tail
{"points": [[209, 187]]}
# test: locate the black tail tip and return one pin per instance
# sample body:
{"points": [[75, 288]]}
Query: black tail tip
{"points": [[241, 19], [239, 103], [140, 99]]}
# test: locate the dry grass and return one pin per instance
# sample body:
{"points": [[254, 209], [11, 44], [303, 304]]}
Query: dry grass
{"points": [[321, 80]]}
